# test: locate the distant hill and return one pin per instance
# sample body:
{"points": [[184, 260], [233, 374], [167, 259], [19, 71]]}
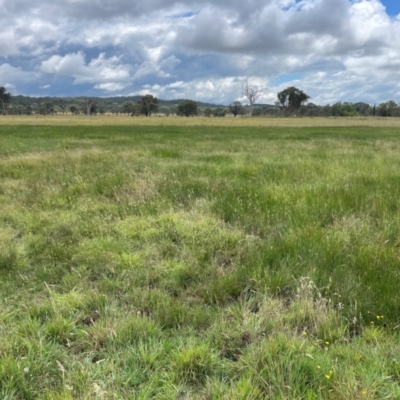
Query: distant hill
{"points": [[107, 101]]}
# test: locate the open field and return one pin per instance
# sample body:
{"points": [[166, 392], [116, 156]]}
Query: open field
{"points": [[159, 261], [123, 120]]}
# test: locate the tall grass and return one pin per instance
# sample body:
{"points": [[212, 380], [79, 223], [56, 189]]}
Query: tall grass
{"points": [[199, 262]]}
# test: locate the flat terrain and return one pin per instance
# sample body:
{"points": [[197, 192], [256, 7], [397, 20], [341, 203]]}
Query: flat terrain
{"points": [[193, 258], [124, 120]]}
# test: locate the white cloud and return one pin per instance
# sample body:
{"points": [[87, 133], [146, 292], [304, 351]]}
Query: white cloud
{"points": [[158, 69], [110, 87], [203, 48], [170, 62], [11, 77], [105, 73]]}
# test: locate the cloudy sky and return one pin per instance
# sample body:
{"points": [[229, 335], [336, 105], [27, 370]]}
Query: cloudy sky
{"points": [[334, 50]]}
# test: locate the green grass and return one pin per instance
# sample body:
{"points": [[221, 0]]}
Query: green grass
{"points": [[199, 262]]}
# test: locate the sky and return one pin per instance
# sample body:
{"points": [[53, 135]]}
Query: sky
{"points": [[334, 50]]}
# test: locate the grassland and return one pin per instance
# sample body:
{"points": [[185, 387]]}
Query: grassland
{"points": [[229, 121], [199, 262]]}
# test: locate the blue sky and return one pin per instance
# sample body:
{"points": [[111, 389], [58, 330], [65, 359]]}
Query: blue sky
{"points": [[334, 50], [392, 6]]}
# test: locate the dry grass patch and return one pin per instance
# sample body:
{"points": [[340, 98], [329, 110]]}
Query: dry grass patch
{"points": [[111, 120]]}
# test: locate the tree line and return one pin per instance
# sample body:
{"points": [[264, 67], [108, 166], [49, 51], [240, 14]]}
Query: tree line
{"points": [[290, 102]]}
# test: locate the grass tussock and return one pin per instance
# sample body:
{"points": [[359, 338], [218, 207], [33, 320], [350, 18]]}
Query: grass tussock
{"points": [[199, 262]]}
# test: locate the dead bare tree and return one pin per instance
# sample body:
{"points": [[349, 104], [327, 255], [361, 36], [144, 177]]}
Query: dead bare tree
{"points": [[252, 93], [88, 107], [91, 107]]}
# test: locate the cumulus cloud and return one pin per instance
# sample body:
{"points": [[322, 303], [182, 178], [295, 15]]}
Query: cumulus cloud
{"points": [[107, 73], [158, 68], [333, 49], [15, 77], [110, 87]]}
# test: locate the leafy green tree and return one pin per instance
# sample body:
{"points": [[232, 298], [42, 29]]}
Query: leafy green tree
{"points": [[310, 110], [236, 108], [34, 108], [128, 107], [188, 108], [257, 111], [388, 109], [57, 109], [46, 108], [291, 99], [93, 108], [16, 110], [5, 99], [344, 110], [166, 110], [272, 111], [363, 108], [326, 111], [115, 109], [148, 104], [350, 110], [337, 109], [207, 112], [28, 110], [219, 112], [74, 109]]}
